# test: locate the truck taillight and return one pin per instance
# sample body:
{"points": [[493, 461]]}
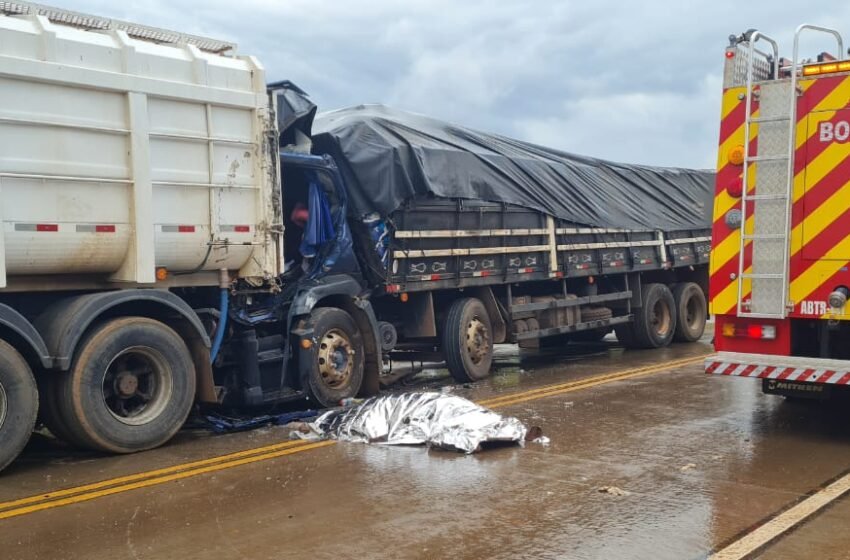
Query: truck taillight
{"points": [[740, 330]]}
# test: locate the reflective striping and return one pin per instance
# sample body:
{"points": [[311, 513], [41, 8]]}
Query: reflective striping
{"points": [[800, 374], [820, 198], [234, 229], [95, 228], [178, 229]]}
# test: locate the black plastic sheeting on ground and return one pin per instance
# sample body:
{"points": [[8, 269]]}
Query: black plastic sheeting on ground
{"points": [[388, 156]]}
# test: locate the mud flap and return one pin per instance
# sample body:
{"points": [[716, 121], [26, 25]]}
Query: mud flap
{"points": [[796, 390]]}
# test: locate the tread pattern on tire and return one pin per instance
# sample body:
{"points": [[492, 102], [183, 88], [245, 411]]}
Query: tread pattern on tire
{"points": [[453, 350], [22, 402], [681, 334], [66, 408]]}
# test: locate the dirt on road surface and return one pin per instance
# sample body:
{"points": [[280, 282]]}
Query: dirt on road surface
{"points": [[647, 458]]}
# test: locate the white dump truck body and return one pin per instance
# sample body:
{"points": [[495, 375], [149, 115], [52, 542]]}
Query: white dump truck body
{"points": [[124, 149]]}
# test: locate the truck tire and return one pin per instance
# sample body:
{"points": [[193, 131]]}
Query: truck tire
{"points": [[654, 323], [18, 403], [468, 340], [130, 388], [691, 312], [335, 371]]}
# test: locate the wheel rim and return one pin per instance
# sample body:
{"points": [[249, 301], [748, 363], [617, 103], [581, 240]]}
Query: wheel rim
{"points": [[336, 359], [661, 318], [137, 385], [477, 340], [4, 405]]}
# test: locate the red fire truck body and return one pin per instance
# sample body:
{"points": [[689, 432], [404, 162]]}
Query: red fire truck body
{"points": [[780, 259]]}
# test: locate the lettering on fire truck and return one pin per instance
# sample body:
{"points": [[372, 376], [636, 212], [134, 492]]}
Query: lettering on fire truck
{"points": [[812, 307], [838, 132]]}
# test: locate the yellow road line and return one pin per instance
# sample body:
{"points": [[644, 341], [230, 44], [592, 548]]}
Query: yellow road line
{"points": [[78, 494], [147, 474], [78, 498], [552, 390], [783, 522]]}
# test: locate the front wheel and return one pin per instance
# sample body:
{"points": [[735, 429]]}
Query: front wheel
{"points": [[335, 368], [18, 403], [468, 340], [130, 388]]}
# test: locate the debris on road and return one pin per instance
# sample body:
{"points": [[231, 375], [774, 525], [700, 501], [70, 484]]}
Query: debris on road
{"points": [[614, 491], [436, 419], [222, 424], [688, 467]]}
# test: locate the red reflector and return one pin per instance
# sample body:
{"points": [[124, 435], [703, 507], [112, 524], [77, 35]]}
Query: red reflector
{"points": [[186, 229], [47, 227], [104, 229], [730, 54], [735, 188], [435, 277], [242, 229], [485, 273], [393, 288]]}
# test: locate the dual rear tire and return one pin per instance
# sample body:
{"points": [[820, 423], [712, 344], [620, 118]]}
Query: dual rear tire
{"points": [[130, 388], [666, 315]]}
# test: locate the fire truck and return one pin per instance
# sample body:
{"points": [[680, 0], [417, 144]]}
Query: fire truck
{"points": [[780, 257]]}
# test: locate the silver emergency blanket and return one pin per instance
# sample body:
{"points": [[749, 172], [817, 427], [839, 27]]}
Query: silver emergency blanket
{"points": [[435, 419]]}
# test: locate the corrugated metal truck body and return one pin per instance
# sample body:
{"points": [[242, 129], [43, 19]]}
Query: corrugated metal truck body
{"points": [[122, 155]]}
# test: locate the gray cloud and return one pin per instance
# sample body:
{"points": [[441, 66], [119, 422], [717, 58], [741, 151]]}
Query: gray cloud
{"points": [[629, 81]]}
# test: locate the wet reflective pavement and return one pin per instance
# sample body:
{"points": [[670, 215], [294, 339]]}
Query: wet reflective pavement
{"points": [[690, 463]]}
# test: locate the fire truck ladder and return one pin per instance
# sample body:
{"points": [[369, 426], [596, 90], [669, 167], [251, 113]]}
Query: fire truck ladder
{"points": [[771, 173]]}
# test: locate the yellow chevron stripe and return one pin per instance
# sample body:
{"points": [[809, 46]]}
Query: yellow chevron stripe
{"points": [[821, 218], [724, 251], [730, 101], [728, 296], [812, 277]]}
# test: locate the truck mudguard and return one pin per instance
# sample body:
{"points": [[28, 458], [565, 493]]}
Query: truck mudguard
{"points": [[63, 324], [347, 287], [26, 332]]}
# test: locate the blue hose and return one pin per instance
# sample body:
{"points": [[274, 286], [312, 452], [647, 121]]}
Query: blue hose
{"points": [[222, 325]]}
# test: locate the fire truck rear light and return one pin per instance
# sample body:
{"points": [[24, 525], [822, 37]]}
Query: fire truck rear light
{"points": [[762, 332]]}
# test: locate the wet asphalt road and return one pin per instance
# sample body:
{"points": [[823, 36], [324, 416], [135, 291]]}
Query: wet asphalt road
{"points": [[700, 460]]}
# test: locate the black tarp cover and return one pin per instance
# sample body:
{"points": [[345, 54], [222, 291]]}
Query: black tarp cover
{"points": [[388, 156]]}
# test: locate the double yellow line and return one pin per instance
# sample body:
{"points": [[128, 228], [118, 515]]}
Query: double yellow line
{"points": [[552, 390], [96, 490], [87, 492]]}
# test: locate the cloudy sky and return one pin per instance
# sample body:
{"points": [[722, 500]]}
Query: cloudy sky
{"points": [[636, 81]]}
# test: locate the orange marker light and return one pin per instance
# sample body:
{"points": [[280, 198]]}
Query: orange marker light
{"points": [[306, 343], [404, 297], [161, 274], [736, 155]]}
